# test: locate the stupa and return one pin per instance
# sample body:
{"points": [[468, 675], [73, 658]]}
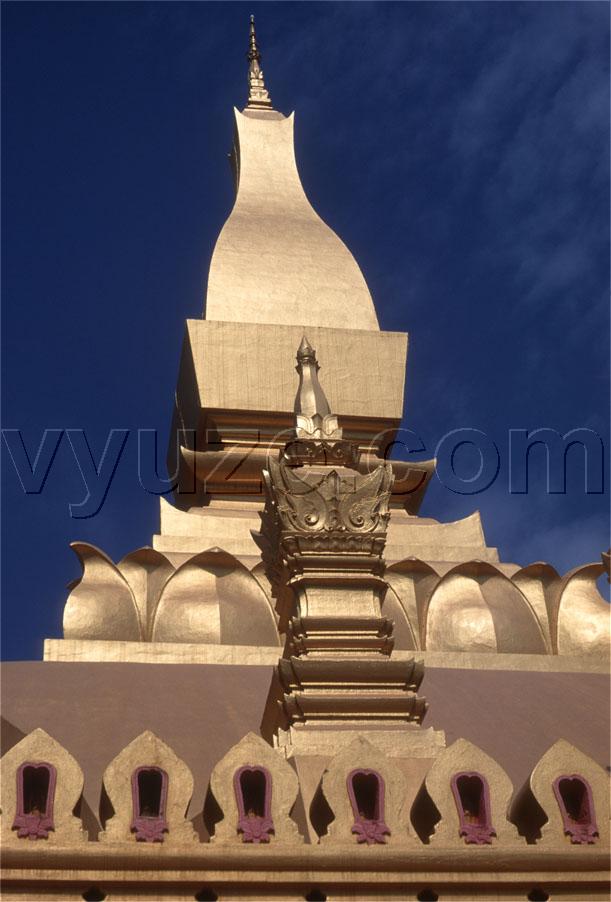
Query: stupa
{"points": [[303, 689]]}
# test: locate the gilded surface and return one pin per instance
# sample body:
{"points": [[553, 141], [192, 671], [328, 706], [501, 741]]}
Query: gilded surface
{"points": [[38, 746], [252, 751], [147, 750], [145, 598], [463, 756], [275, 260], [563, 759], [361, 754]]}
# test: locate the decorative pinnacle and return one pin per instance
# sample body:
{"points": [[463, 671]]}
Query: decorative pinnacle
{"points": [[306, 354], [315, 425], [258, 96], [253, 50], [311, 399]]}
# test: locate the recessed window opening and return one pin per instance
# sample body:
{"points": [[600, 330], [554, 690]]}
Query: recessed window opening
{"points": [[471, 791], [206, 895], [36, 781], [315, 895], [94, 894], [366, 789], [538, 895], [366, 793], [574, 798], [149, 795], [253, 784], [427, 895], [472, 798], [35, 798], [253, 792], [150, 786]]}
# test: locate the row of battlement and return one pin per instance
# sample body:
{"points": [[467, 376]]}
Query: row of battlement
{"points": [[255, 796]]}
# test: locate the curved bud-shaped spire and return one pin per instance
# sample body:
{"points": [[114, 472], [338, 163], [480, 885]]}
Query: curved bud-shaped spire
{"points": [[258, 96], [314, 417], [276, 261], [311, 399]]}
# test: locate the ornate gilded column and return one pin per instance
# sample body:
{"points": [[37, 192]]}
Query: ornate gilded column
{"points": [[326, 521]]}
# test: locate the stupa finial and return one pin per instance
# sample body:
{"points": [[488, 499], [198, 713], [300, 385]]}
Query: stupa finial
{"points": [[258, 96], [306, 353], [318, 437], [311, 400]]}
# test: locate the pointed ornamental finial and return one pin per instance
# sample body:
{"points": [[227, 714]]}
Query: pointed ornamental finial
{"points": [[318, 437], [258, 96], [306, 354], [314, 417]]}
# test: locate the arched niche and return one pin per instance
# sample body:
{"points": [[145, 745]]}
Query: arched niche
{"points": [[149, 803], [472, 794], [41, 785], [368, 797], [472, 799], [574, 797], [149, 789], [367, 794], [573, 791], [476, 608], [255, 789], [34, 813]]}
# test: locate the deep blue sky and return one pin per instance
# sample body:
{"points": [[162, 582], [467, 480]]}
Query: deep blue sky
{"points": [[459, 149]]}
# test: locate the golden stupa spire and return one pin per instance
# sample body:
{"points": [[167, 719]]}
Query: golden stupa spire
{"points": [[258, 96]]}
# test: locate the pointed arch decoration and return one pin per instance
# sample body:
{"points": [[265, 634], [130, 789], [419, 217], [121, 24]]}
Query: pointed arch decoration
{"points": [[366, 791], [41, 785], [573, 791], [259, 812], [374, 812], [479, 812], [151, 809]]}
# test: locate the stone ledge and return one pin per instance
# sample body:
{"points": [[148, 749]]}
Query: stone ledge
{"points": [[344, 860], [100, 651]]}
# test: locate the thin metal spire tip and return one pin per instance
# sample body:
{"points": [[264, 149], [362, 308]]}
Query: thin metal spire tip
{"points": [[258, 95]]}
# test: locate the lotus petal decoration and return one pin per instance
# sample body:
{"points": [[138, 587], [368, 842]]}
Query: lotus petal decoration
{"points": [[147, 571], [213, 598], [101, 605], [580, 616], [476, 608], [411, 582], [539, 582]]}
